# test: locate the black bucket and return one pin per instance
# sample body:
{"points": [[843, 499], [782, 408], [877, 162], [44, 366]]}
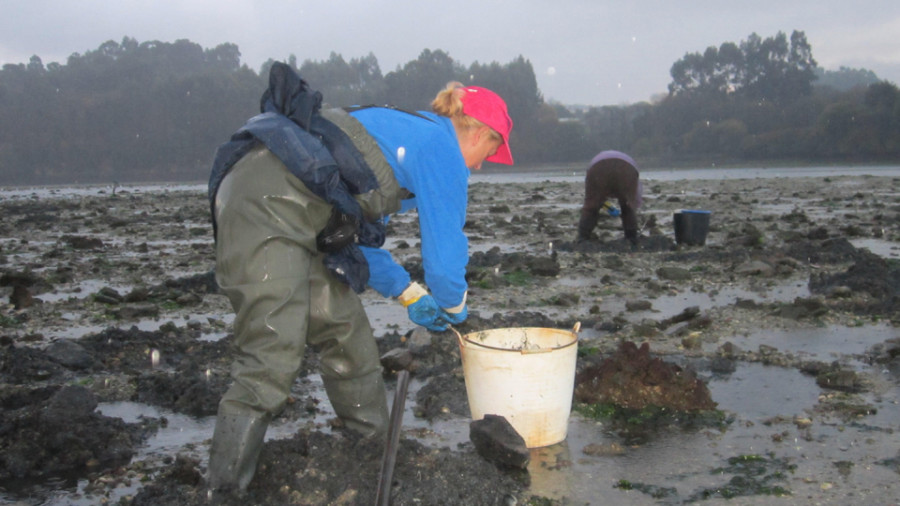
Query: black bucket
{"points": [[691, 227]]}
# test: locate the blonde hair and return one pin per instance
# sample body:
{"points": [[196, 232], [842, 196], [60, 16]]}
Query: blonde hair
{"points": [[448, 103]]}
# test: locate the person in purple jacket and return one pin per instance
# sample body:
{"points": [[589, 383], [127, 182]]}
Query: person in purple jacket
{"points": [[612, 174]]}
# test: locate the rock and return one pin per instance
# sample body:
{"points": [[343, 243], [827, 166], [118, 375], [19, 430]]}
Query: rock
{"points": [[673, 273], [691, 342], [678, 329], [107, 295], [840, 292], [755, 268], [613, 262], [419, 338], [189, 299], [729, 350], [81, 242], [749, 236], [686, 314], [139, 294], [844, 380], [69, 354], [135, 311], [70, 402], [397, 359], [21, 297], [745, 303], [817, 234], [700, 322], [645, 329], [565, 299], [601, 450], [803, 307], [496, 440], [722, 365], [638, 305], [544, 266]]}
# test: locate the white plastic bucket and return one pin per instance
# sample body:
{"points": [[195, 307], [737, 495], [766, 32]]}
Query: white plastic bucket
{"points": [[526, 375]]}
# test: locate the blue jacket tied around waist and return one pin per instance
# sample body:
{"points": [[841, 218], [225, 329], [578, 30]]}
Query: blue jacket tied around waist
{"points": [[314, 150]]}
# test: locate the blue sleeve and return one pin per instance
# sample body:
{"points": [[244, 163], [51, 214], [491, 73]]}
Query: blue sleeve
{"points": [[427, 161], [441, 188], [386, 276]]}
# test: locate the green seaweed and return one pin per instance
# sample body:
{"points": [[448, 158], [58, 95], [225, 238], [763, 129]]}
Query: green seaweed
{"points": [[653, 491], [651, 416], [751, 475]]}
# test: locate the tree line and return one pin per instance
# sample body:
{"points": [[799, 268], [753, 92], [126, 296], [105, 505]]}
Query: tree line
{"points": [[156, 111]]}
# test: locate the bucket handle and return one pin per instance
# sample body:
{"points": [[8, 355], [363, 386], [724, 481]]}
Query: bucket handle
{"points": [[459, 336], [461, 340]]}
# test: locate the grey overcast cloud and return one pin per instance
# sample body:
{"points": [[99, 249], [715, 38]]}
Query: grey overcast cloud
{"points": [[587, 52]]}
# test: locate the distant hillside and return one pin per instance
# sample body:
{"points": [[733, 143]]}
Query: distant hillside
{"points": [[845, 79]]}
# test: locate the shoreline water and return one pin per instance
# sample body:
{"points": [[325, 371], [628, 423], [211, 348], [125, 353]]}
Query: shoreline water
{"points": [[569, 174], [533, 174]]}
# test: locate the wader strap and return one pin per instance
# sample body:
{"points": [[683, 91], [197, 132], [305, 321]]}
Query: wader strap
{"points": [[355, 108]]}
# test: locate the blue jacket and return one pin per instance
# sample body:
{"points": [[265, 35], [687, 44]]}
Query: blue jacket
{"points": [[425, 156]]}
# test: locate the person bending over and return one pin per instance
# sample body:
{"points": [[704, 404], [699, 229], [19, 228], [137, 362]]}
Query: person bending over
{"points": [[299, 198], [612, 174]]}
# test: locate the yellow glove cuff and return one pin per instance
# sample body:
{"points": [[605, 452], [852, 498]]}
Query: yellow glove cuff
{"points": [[413, 292]]}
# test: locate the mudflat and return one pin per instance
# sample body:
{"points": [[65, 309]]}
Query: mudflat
{"points": [[764, 362]]}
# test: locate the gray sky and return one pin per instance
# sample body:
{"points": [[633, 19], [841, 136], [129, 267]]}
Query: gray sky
{"points": [[591, 52]]}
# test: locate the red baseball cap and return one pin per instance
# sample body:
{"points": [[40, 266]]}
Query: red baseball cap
{"points": [[488, 108]]}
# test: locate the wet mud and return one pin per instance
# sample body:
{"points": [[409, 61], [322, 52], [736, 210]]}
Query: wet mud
{"points": [[108, 297]]}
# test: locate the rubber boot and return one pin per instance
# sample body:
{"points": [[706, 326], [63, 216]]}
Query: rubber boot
{"points": [[237, 441], [361, 403]]}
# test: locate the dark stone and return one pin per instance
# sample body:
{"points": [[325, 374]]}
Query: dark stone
{"points": [[397, 359], [722, 365], [107, 295], [70, 403], [21, 297], [69, 354], [544, 266], [686, 314], [673, 273], [135, 311], [638, 305], [496, 440], [840, 379], [81, 242]]}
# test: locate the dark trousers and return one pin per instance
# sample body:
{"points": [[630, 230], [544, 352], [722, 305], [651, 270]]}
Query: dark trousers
{"points": [[610, 178]]}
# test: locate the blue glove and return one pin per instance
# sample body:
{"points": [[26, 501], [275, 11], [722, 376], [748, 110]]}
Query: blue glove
{"points": [[611, 209], [425, 312], [456, 318]]}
